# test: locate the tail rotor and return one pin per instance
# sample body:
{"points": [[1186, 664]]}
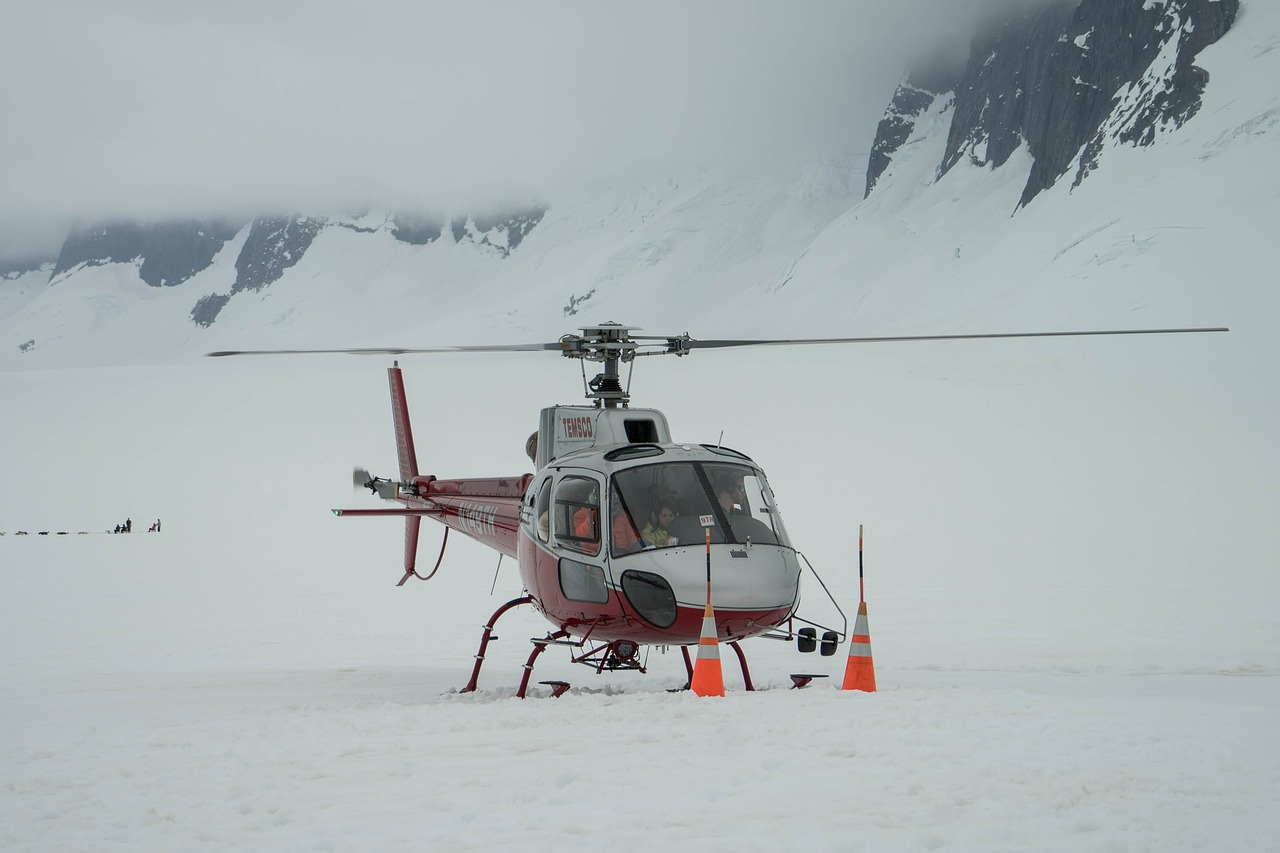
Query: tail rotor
{"points": [[379, 486]]}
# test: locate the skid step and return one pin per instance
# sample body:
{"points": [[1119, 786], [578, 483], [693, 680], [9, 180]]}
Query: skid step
{"points": [[558, 688], [800, 680]]}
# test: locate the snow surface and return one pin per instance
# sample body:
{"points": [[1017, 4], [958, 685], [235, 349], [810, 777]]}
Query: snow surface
{"points": [[1071, 596], [1071, 549]]}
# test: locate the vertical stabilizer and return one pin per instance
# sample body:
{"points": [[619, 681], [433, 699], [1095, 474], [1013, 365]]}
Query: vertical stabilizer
{"points": [[412, 523], [404, 435], [408, 462]]}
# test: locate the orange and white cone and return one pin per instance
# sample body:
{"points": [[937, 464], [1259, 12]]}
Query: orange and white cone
{"points": [[860, 672], [708, 678]]}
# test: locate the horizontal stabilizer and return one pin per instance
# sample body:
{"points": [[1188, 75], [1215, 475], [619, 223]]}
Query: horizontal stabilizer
{"points": [[401, 511]]}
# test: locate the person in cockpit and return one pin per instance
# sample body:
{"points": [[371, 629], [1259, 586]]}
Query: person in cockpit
{"points": [[655, 532], [625, 537], [731, 495]]}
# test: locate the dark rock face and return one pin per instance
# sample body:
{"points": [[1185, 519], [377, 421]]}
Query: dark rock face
{"points": [[207, 309], [503, 232], [274, 244], [1067, 79], [1011, 77], [174, 252], [914, 95], [516, 225], [169, 252], [1167, 98], [14, 267], [416, 230], [98, 245], [459, 228]]}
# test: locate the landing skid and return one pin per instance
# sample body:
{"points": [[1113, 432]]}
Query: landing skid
{"points": [[619, 654], [613, 656], [488, 635]]}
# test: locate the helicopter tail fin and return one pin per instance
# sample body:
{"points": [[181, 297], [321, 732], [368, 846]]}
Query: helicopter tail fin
{"points": [[412, 523], [400, 417]]}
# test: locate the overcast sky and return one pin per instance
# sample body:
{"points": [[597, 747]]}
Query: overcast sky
{"points": [[170, 108]]}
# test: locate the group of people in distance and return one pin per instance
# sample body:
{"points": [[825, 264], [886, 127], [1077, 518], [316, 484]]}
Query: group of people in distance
{"points": [[127, 527]]}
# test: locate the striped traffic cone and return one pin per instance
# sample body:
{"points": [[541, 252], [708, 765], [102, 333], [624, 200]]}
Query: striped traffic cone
{"points": [[708, 678], [860, 672]]}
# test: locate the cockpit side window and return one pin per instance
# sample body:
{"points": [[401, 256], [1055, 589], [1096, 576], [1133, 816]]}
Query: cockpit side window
{"points": [[577, 514], [542, 510]]}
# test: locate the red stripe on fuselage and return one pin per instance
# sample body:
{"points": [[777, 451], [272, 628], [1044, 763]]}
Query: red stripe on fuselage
{"points": [[485, 509]]}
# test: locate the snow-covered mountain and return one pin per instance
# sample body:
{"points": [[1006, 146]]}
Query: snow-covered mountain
{"points": [[1071, 546], [1077, 165]]}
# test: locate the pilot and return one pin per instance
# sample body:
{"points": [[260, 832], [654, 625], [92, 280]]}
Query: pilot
{"points": [[731, 495]]}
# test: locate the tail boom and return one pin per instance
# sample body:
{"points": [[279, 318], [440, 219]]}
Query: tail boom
{"points": [[485, 509]]}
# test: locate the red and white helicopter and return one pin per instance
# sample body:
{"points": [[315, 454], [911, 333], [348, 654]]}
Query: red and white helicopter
{"points": [[611, 530]]}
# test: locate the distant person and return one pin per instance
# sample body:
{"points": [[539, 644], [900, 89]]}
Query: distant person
{"points": [[157, 525], [128, 525]]}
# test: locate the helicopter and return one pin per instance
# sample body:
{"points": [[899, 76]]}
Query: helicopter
{"points": [[618, 528]]}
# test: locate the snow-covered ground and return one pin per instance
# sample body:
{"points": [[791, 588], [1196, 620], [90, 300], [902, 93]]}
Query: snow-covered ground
{"points": [[1070, 578], [1071, 544]]}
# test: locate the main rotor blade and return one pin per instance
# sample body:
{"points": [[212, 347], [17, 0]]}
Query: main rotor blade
{"points": [[390, 350], [685, 343], [695, 343]]}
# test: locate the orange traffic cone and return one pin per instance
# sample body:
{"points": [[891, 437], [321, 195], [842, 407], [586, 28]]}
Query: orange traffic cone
{"points": [[708, 678], [860, 672]]}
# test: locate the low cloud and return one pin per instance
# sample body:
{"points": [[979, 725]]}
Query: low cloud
{"points": [[161, 109]]}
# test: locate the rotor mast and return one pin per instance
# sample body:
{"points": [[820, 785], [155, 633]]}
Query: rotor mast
{"points": [[610, 344]]}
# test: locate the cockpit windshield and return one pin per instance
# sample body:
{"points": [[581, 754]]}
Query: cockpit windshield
{"points": [[674, 503]]}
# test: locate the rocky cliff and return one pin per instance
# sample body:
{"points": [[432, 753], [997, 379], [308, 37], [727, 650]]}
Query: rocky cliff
{"points": [[170, 253], [1066, 80], [167, 254]]}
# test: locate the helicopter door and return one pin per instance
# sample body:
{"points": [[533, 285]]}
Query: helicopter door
{"points": [[576, 530], [576, 522]]}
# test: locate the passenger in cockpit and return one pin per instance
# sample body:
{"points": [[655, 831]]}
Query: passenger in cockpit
{"points": [[625, 537], [655, 532]]}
